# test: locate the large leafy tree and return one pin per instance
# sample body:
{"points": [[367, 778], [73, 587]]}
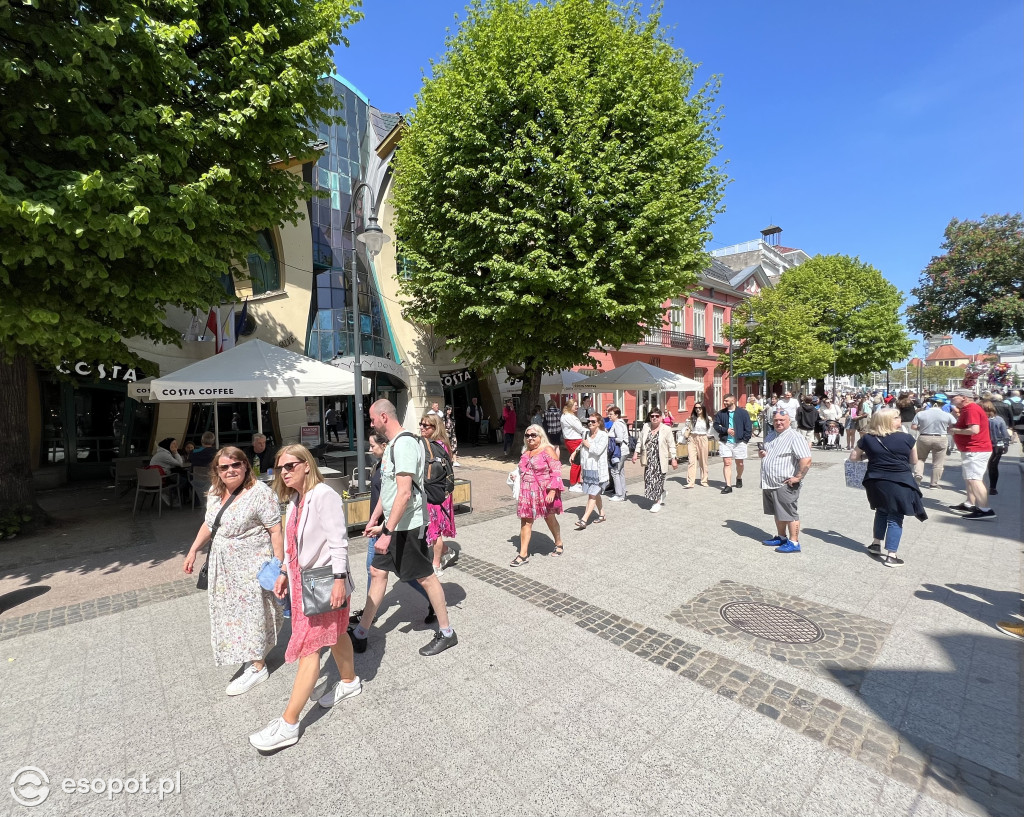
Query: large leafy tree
{"points": [[976, 288], [137, 142], [830, 309], [555, 185]]}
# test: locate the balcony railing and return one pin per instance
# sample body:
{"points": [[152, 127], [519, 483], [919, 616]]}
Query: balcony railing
{"points": [[675, 340]]}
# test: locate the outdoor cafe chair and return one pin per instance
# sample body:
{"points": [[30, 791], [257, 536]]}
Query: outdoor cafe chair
{"points": [[148, 482]]}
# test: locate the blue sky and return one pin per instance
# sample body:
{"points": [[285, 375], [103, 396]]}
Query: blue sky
{"points": [[859, 128]]}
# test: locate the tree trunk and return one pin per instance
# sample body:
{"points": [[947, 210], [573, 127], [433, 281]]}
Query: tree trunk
{"points": [[528, 399], [16, 491]]}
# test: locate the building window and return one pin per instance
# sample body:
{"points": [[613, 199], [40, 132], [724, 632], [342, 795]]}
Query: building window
{"points": [[698, 320], [675, 319], [717, 391], [718, 322], [264, 273]]}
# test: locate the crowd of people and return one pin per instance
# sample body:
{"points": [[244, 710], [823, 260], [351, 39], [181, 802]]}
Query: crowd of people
{"points": [[265, 564]]}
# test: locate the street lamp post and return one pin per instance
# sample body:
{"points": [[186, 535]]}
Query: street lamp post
{"points": [[374, 238]]}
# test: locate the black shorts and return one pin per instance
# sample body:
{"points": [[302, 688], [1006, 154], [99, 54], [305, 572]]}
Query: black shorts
{"points": [[406, 556]]}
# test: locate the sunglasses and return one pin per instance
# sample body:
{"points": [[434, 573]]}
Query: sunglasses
{"points": [[426, 425], [531, 436], [231, 466], [288, 467], [654, 415], [591, 422]]}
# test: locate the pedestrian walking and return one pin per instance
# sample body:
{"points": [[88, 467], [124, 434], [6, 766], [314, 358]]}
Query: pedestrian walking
{"points": [[593, 456], [695, 431], [572, 436], [889, 483], [441, 517], [785, 460], [656, 451], [243, 527], [553, 424], [401, 547], [331, 424], [540, 491], [932, 425], [620, 434], [807, 419], [315, 537], [1000, 437], [970, 433], [734, 429], [474, 416], [508, 427]]}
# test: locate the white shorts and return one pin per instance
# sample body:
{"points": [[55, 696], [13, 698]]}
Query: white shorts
{"points": [[734, 451], [975, 463]]}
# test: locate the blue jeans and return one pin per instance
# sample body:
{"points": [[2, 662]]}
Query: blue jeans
{"points": [[508, 441], [369, 560], [889, 526]]}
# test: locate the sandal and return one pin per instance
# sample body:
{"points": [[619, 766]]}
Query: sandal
{"points": [[519, 561], [557, 551], [599, 519], [581, 525]]}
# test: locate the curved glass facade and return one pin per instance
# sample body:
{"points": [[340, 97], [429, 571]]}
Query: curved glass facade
{"points": [[336, 256]]}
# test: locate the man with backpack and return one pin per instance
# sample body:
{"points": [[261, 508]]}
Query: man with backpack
{"points": [[401, 547]]}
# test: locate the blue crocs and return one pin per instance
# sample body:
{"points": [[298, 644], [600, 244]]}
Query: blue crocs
{"points": [[789, 547], [775, 541]]}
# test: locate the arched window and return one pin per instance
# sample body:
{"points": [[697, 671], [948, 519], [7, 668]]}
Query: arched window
{"points": [[265, 273]]}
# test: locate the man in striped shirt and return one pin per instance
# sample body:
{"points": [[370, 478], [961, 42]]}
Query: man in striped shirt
{"points": [[785, 459]]}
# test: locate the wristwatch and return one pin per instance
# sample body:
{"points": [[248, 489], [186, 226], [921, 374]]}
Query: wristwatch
{"points": [[384, 530], [340, 575]]}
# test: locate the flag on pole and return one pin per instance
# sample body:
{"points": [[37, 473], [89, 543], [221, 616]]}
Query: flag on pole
{"points": [[194, 326], [227, 338], [240, 320], [213, 327]]}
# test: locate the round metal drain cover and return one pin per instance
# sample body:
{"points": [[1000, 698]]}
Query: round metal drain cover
{"points": [[771, 622]]}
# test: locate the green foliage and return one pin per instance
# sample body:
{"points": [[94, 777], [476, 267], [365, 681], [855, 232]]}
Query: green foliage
{"points": [[15, 519], [832, 308], [554, 187], [977, 288], [136, 150]]}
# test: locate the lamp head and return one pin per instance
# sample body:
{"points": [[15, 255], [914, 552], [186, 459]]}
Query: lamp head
{"points": [[373, 236]]}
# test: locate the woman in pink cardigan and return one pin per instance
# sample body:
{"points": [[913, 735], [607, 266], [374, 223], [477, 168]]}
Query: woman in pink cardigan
{"points": [[315, 536]]}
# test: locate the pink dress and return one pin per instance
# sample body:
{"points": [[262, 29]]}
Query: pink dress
{"points": [[441, 517], [538, 475], [309, 635]]}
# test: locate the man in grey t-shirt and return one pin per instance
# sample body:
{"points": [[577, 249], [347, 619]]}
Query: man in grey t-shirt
{"points": [[785, 460], [932, 426]]}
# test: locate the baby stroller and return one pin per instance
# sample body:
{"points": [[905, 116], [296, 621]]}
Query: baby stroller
{"points": [[832, 436]]}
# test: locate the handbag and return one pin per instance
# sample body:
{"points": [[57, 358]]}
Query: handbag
{"points": [[513, 481], [854, 473], [317, 584], [203, 579], [269, 573]]}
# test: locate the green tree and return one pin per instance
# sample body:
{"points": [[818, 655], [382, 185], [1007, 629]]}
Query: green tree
{"points": [[830, 309], [137, 142], [554, 187], [977, 288]]}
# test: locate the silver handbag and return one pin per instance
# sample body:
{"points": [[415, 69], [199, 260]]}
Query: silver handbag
{"points": [[317, 584]]}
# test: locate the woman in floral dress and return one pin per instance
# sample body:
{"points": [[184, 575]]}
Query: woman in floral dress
{"points": [[657, 448], [441, 517], [449, 429], [540, 491], [244, 618]]}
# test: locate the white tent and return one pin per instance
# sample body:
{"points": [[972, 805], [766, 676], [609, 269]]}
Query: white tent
{"points": [[638, 375], [254, 370], [563, 382]]}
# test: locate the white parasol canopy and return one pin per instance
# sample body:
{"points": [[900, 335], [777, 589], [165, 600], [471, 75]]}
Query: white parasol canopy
{"points": [[638, 375], [563, 382], [254, 370]]}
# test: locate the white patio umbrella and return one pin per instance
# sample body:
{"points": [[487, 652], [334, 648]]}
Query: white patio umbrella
{"points": [[562, 382], [638, 376], [254, 370]]}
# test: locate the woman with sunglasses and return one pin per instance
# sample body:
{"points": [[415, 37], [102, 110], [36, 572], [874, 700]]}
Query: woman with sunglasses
{"points": [[441, 517], [315, 536], [244, 618], [656, 450], [540, 491], [593, 456], [695, 432]]}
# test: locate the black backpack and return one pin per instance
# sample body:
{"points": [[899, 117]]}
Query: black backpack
{"points": [[439, 474]]}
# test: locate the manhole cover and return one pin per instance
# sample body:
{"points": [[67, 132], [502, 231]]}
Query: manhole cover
{"points": [[771, 622]]}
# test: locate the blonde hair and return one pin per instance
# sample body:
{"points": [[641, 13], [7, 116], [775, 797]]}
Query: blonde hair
{"points": [[440, 433], [217, 486], [544, 441], [570, 406], [303, 454], [881, 422]]}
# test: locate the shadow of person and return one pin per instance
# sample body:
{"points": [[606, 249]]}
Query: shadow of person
{"points": [[8, 601], [833, 537], [746, 531], [983, 604]]}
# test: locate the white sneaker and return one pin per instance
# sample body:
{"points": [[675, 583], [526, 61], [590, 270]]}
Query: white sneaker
{"points": [[616, 499], [456, 465], [340, 691], [276, 735], [576, 489], [439, 572], [656, 507], [248, 679]]}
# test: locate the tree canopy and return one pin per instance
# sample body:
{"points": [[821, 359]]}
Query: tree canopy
{"points": [[831, 308], [976, 288], [555, 184], [137, 142]]}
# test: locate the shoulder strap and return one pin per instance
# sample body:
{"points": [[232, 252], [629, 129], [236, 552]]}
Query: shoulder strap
{"points": [[224, 507]]}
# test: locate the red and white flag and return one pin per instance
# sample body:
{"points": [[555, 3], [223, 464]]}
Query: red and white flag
{"points": [[213, 327]]}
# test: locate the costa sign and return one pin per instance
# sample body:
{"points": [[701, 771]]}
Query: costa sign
{"points": [[116, 371]]}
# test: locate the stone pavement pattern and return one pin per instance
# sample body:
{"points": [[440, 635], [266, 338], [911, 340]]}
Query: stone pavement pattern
{"points": [[597, 683]]}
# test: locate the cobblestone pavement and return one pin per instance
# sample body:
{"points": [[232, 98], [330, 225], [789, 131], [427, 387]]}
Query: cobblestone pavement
{"points": [[664, 664]]}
